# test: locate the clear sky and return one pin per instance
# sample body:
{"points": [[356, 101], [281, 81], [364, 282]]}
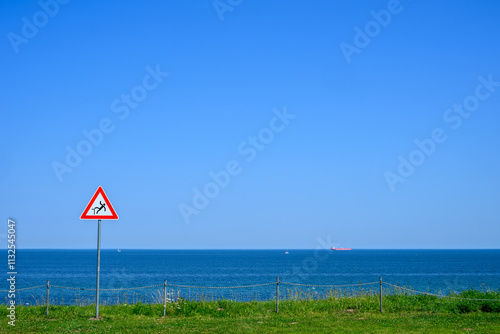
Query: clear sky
{"points": [[356, 124]]}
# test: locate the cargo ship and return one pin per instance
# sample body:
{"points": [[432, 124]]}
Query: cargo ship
{"points": [[335, 248]]}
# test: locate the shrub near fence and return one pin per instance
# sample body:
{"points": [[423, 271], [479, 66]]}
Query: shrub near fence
{"points": [[368, 294]]}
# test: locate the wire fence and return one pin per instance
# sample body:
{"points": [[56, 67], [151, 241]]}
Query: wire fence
{"points": [[170, 293], [400, 289]]}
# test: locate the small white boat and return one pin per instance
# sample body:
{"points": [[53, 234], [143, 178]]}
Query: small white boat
{"points": [[119, 251], [286, 252]]}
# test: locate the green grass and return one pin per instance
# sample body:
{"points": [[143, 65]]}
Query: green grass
{"points": [[402, 314]]}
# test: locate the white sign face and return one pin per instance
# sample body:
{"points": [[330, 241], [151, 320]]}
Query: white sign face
{"points": [[99, 207]]}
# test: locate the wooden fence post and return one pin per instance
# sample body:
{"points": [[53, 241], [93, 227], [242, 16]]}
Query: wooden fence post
{"points": [[277, 294], [164, 297], [381, 294], [48, 298]]}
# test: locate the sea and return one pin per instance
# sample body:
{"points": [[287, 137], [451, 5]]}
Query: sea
{"points": [[71, 272]]}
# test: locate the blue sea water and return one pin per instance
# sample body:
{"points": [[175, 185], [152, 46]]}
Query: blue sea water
{"points": [[432, 270]]}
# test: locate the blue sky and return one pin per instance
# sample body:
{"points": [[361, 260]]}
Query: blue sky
{"points": [[315, 108]]}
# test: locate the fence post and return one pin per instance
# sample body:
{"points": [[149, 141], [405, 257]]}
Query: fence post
{"points": [[164, 297], [277, 294], [47, 298], [381, 307], [98, 268]]}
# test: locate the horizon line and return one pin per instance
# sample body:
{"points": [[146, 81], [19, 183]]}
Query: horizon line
{"points": [[284, 249]]}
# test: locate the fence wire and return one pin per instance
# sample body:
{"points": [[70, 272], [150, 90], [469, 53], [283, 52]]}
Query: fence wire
{"points": [[245, 293], [329, 285], [30, 288], [436, 295], [220, 287]]}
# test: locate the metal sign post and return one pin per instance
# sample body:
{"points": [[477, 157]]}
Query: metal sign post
{"points": [[98, 268], [99, 208]]}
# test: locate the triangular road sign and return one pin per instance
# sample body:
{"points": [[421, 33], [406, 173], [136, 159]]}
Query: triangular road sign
{"points": [[99, 207]]}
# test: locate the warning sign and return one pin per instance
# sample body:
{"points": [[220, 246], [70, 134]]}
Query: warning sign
{"points": [[99, 207]]}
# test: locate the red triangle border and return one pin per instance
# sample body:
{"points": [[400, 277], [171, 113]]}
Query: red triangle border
{"points": [[106, 200]]}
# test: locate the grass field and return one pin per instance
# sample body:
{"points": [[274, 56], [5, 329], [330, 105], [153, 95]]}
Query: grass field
{"points": [[402, 314]]}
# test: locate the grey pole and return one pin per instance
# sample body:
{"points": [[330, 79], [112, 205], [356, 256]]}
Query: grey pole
{"points": [[164, 297], [47, 298], [277, 294], [381, 309], [98, 268]]}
